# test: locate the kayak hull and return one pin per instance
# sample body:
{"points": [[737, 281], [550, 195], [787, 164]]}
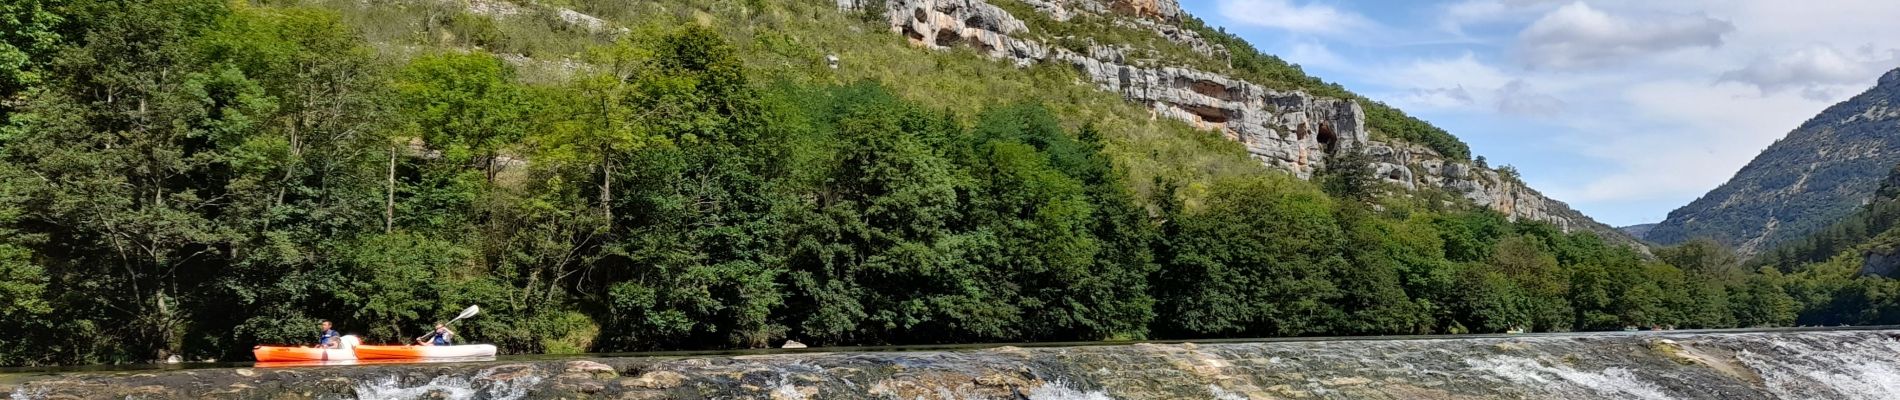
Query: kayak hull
{"points": [[306, 354], [300, 354], [368, 352]]}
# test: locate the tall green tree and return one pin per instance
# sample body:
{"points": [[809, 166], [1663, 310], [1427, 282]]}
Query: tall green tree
{"points": [[1256, 260]]}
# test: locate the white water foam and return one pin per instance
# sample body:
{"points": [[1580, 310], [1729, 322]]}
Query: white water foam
{"points": [[1223, 394], [481, 386], [19, 393], [1059, 391], [1611, 382], [1840, 367], [785, 389]]}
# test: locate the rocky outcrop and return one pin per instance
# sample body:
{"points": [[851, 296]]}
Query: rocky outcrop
{"points": [[940, 24], [503, 9], [1291, 130], [1160, 9], [1062, 10], [1773, 365], [1177, 34], [1880, 262], [1413, 166]]}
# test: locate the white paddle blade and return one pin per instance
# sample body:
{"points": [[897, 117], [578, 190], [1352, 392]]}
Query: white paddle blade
{"points": [[470, 312]]}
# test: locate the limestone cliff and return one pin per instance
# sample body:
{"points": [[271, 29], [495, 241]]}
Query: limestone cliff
{"points": [[1290, 130]]}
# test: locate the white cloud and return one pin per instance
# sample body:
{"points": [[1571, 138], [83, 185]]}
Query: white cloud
{"points": [[1519, 98], [1577, 35], [1455, 17], [1314, 54], [1289, 16], [1459, 83], [1450, 97], [1818, 71], [1465, 70], [1682, 138]]}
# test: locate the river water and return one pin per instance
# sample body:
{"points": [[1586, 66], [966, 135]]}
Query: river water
{"points": [[1860, 363]]}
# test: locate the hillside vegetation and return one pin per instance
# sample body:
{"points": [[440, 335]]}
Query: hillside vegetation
{"points": [[1821, 172], [1831, 273], [1241, 60], [194, 177]]}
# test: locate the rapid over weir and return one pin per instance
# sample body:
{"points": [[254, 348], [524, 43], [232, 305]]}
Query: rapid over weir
{"points": [[1783, 364]]}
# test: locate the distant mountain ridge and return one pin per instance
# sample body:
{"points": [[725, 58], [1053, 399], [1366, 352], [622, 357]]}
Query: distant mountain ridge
{"points": [[1638, 230], [1822, 171]]}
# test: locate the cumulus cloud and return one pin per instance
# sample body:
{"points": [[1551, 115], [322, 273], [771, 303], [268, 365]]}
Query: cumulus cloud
{"points": [[1465, 70], [1680, 132], [1441, 83], [1313, 54], [1455, 17], [1818, 72], [1289, 16], [1449, 97], [1578, 35], [1519, 98]]}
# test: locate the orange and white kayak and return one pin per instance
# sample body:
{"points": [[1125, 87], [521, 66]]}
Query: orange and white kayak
{"points": [[299, 354], [372, 352]]}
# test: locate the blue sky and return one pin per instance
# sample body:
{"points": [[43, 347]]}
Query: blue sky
{"points": [[1626, 109]]}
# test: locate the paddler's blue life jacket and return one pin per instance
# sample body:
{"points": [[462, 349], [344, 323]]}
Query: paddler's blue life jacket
{"points": [[441, 339], [326, 336]]}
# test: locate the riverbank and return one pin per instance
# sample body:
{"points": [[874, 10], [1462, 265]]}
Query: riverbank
{"points": [[1756, 365]]}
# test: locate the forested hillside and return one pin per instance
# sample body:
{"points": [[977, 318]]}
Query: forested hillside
{"points": [[193, 177], [1821, 172], [1842, 273]]}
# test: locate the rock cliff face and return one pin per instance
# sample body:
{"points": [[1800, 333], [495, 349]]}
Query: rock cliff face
{"points": [[1290, 130], [1878, 262], [1778, 365], [1822, 171]]}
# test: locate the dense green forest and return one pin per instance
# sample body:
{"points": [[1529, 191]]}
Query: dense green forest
{"points": [[1825, 270], [193, 177]]}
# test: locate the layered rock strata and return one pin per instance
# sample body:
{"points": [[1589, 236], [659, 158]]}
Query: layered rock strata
{"points": [[1290, 130]]}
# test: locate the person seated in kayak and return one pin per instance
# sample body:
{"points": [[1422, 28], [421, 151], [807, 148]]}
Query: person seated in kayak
{"points": [[327, 337], [440, 337]]}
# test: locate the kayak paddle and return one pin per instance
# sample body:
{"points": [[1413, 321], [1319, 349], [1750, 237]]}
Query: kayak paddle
{"points": [[468, 312]]}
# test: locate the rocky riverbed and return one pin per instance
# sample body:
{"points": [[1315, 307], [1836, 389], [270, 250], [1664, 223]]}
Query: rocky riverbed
{"points": [[1774, 365]]}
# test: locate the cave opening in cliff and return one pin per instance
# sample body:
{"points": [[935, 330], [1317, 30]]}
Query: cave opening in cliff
{"points": [[1211, 89], [976, 21], [1208, 114], [919, 14], [947, 37], [1327, 139], [916, 38]]}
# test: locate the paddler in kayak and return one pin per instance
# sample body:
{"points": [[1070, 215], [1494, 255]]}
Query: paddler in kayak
{"points": [[328, 338], [441, 336]]}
